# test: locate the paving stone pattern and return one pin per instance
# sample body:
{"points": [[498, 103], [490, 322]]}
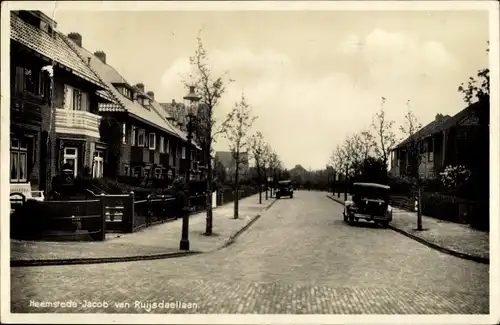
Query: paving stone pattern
{"points": [[158, 239], [299, 257]]}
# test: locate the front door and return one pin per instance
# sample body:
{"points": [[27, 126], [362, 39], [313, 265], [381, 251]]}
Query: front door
{"points": [[71, 157]]}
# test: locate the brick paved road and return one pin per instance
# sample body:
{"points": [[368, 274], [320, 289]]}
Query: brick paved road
{"points": [[298, 258]]}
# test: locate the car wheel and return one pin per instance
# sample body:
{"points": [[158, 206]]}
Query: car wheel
{"points": [[277, 197], [351, 220], [291, 196], [385, 224], [345, 217]]}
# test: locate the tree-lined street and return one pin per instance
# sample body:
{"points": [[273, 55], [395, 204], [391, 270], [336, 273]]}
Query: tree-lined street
{"points": [[299, 257]]}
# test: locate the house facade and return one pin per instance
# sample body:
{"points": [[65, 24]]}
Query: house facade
{"points": [[54, 103], [151, 145], [462, 139], [60, 93]]}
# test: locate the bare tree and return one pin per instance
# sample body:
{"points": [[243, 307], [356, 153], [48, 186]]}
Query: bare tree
{"points": [[477, 89], [367, 143], [257, 151], [210, 88], [274, 166], [409, 128], [338, 161], [353, 148], [384, 139], [236, 126]]}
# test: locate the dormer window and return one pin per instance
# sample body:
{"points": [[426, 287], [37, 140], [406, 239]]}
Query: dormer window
{"points": [[126, 92], [145, 102], [45, 27]]}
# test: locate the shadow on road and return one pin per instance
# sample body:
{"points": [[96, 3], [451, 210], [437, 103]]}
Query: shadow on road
{"points": [[359, 224], [364, 224]]}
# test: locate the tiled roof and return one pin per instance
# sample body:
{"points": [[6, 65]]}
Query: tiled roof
{"points": [[426, 131], [440, 125], [53, 48]]}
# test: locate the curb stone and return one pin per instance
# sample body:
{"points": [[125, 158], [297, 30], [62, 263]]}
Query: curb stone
{"points": [[448, 251], [101, 260]]}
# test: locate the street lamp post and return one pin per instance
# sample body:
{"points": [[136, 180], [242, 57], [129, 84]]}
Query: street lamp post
{"points": [[191, 106]]}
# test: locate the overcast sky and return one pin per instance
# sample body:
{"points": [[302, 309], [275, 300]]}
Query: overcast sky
{"points": [[312, 77]]}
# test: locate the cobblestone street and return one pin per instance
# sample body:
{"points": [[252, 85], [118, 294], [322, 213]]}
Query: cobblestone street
{"points": [[299, 257]]}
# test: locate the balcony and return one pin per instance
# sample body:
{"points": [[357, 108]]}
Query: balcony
{"points": [[77, 122]]}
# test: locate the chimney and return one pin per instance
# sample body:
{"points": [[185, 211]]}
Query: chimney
{"points": [[76, 37], [101, 56], [439, 117], [173, 102], [140, 85], [151, 94]]}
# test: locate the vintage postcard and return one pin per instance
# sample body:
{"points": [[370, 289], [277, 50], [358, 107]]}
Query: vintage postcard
{"points": [[250, 162]]}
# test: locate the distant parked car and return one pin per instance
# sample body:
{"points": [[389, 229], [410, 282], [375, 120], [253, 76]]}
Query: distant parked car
{"points": [[285, 188], [370, 201]]}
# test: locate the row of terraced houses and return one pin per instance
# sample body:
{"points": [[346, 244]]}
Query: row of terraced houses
{"points": [[60, 91]]}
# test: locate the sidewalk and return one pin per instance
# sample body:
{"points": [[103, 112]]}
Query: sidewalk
{"points": [[159, 241], [452, 238]]}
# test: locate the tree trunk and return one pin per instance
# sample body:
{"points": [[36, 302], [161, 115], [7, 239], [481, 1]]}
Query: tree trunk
{"points": [[419, 206], [345, 188], [260, 184], [236, 189], [208, 228], [265, 182]]}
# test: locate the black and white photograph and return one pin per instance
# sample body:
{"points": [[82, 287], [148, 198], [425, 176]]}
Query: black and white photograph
{"points": [[250, 162]]}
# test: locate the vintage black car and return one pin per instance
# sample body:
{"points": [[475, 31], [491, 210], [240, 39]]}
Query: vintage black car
{"points": [[370, 201], [285, 188]]}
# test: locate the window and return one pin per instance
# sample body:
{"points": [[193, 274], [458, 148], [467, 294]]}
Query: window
{"points": [[167, 149], [431, 150], [26, 80], [183, 153], [152, 141], [126, 170], [71, 157], [127, 93], [45, 26], [75, 99], [141, 138], [145, 101], [124, 131], [42, 84], [18, 160], [134, 136], [162, 144], [98, 164]]}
